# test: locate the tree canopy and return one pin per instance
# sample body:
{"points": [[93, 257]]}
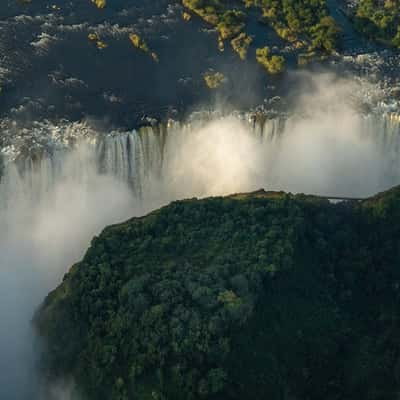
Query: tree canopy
{"points": [[263, 295], [379, 20]]}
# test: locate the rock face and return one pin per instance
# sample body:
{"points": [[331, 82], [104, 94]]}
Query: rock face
{"points": [[263, 295]]}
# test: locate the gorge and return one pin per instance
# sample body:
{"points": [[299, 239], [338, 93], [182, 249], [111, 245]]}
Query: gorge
{"points": [[62, 184]]}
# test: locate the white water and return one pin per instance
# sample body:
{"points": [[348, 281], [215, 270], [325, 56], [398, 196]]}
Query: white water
{"points": [[50, 208], [345, 155]]}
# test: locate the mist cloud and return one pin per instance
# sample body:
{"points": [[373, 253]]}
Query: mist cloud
{"points": [[40, 237]]}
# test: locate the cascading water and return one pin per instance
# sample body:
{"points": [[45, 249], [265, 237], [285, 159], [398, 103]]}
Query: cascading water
{"points": [[60, 185], [147, 160], [136, 158]]}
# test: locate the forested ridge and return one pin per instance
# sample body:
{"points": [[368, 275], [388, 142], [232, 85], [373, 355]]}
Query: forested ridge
{"points": [[263, 295]]}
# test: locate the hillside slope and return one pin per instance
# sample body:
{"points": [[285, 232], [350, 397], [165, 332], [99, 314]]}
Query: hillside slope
{"points": [[263, 295]]}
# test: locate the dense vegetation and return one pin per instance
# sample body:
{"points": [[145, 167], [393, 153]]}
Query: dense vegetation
{"points": [[241, 44], [304, 24], [272, 63], [214, 80], [260, 296], [379, 20]]}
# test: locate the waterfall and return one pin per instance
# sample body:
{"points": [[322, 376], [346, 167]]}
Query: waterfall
{"points": [[143, 158]]}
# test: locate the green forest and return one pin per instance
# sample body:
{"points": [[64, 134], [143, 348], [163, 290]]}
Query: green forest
{"points": [[305, 25], [252, 296], [379, 20], [303, 22]]}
